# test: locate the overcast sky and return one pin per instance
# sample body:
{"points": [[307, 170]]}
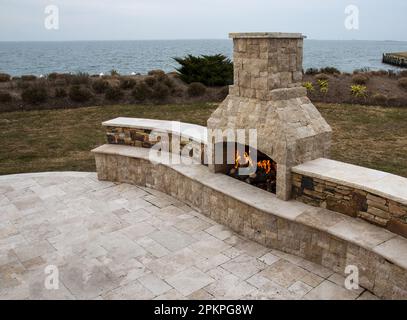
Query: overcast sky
{"points": [[199, 19]]}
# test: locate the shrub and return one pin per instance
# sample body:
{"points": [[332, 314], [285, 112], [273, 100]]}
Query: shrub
{"points": [[22, 84], [323, 86], [380, 73], [4, 77], [100, 86], [158, 74], [60, 93], [127, 84], [394, 101], [312, 71], [309, 86], [52, 76], [150, 80], [216, 70], [114, 73], [28, 78], [79, 94], [5, 97], [330, 70], [380, 99], [196, 89], [141, 91], [358, 91], [322, 76], [160, 91], [177, 91], [60, 82], [169, 82], [360, 79], [391, 73], [79, 78], [113, 93], [223, 93], [34, 94], [361, 70], [403, 83]]}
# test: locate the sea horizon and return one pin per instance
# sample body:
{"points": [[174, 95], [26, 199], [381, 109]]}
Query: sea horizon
{"points": [[140, 56]]}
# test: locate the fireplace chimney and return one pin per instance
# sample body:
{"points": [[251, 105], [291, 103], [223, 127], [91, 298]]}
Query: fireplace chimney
{"points": [[266, 61], [268, 96]]}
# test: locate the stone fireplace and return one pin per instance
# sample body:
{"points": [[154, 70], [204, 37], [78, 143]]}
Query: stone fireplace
{"points": [[267, 98]]}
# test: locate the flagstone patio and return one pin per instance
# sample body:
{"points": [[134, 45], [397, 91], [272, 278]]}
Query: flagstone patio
{"points": [[119, 241]]}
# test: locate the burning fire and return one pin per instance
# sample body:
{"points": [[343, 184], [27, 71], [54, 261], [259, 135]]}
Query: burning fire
{"points": [[247, 161]]}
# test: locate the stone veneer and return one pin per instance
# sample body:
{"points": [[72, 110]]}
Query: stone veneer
{"points": [[319, 235], [146, 138]]}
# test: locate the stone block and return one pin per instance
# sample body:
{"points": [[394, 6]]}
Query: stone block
{"points": [[396, 209], [378, 212], [397, 226], [376, 199]]}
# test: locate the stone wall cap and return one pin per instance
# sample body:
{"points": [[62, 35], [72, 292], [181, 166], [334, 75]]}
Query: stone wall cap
{"points": [[192, 131], [271, 35]]}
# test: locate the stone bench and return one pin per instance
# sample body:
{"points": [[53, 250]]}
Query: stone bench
{"points": [[375, 196], [319, 235]]}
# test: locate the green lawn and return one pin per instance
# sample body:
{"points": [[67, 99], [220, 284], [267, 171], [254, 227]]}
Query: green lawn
{"points": [[60, 140]]}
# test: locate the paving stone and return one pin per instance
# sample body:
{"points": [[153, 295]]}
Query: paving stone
{"points": [[153, 247], [284, 273], [328, 290], [230, 287], [273, 291], [209, 247], [190, 280], [219, 231], [172, 239], [367, 296], [138, 230], [170, 265], [192, 225], [244, 266], [200, 295], [299, 288], [252, 248], [171, 295], [269, 259], [87, 281], [135, 217], [154, 284], [131, 291], [258, 280], [212, 262]]}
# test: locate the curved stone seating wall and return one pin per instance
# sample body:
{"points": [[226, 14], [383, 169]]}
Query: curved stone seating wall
{"points": [[377, 197], [145, 133], [319, 235]]}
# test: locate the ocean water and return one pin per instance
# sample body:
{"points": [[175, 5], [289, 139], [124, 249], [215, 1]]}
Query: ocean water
{"points": [[95, 57]]}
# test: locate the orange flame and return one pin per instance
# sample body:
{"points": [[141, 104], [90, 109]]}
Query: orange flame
{"points": [[266, 165]]}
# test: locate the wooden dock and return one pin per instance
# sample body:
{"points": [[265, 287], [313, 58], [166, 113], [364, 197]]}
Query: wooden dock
{"points": [[398, 59]]}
